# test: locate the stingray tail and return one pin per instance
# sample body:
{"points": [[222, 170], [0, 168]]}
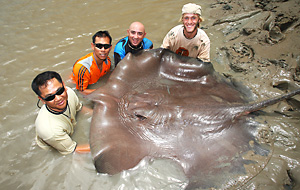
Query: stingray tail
{"points": [[259, 105]]}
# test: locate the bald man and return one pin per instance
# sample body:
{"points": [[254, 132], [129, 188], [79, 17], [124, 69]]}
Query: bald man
{"points": [[134, 42]]}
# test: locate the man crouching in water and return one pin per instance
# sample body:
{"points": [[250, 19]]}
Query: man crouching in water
{"points": [[56, 119]]}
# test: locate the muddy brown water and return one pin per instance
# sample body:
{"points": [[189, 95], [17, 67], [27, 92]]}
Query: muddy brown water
{"points": [[50, 35]]}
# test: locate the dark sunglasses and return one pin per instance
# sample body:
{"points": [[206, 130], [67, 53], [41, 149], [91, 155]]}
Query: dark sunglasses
{"points": [[58, 92], [100, 46]]}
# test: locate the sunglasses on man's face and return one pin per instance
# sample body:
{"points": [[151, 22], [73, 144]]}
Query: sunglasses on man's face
{"points": [[100, 46], [58, 92]]}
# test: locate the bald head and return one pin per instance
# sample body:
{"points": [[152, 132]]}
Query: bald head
{"points": [[137, 26], [136, 33]]}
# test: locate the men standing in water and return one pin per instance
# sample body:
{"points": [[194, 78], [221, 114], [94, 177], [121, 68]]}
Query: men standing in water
{"points": [[134, 42], [89, 68], [188, 39], [56, 119]]}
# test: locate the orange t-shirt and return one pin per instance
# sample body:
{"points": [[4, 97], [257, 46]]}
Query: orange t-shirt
{"points": [[86, 71]]}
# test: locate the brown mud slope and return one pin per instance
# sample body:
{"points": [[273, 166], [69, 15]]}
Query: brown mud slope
{"points": [[260, 47], [262, 41]]}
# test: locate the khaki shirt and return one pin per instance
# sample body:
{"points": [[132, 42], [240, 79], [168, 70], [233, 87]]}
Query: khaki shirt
{"points": [[55, 130], [197, 47]]}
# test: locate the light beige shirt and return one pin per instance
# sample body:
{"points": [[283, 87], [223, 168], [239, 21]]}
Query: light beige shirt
{"points": [[54, 130], [197, 47]]}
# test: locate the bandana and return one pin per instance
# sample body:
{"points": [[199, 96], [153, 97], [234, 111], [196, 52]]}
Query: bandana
{"points": [[191, 8]]}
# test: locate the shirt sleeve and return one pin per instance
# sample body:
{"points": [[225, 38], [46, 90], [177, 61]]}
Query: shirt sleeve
{"points": [[170, 38], [72, 97], [62, 142], [78, 104], [147, 43], [81, 76], [166, 42], [54, 136], [204, 50]]}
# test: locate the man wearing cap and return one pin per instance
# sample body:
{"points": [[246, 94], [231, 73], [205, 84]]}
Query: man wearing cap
{"points": [[188, 39]]}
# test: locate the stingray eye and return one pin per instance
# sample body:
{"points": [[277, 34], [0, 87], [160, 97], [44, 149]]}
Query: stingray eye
{"points": [[141, 117]]}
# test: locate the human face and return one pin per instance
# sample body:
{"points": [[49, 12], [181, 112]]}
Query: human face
{"points": [[59, 103], [136, 33], [101, 54], [190, 23]]}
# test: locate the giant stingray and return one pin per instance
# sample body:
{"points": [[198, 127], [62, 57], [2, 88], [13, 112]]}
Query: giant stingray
{"points": [[160, 104]]}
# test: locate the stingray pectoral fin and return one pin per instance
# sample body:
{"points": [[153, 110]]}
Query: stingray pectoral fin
{"points": [[119, 156], [114, 148]]}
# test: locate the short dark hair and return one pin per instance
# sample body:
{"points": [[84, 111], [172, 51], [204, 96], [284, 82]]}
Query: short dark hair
{"points": [[41, 80], [102, 34]]}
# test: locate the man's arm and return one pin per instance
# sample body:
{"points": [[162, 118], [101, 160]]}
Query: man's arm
{"points": [[204, 50], [117, 58], [81, 78], [87, 111], [87, 91], [170, 38], [166, 42], [85, 148], [62, 142], [119, 51]]}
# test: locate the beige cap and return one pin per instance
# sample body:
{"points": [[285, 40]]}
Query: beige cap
{"points": [[191, 8]]}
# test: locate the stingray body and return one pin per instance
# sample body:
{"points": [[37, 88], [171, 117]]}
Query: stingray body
{"points": [[159, 104]]}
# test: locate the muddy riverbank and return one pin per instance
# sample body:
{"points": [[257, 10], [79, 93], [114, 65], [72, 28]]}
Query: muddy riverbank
{"points": [[261, 49]]}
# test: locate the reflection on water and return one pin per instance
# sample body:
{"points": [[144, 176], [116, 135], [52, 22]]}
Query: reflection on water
{"points": [[50, 35]]}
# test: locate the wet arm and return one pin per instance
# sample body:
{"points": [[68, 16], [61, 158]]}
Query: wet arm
{"points": [[87, 111], [85, 148], [117, 58], [87, 91], [82, 78]]}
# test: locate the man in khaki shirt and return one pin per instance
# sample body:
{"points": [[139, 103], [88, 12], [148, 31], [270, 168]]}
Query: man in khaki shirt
{"points": [[188, 39], [56, 119]]}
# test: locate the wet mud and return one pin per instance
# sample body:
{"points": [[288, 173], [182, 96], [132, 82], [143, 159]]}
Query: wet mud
{"points": [[260, 48]]}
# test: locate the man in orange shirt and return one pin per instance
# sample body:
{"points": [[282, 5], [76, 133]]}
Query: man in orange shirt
{"points": [[89, 68]]}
